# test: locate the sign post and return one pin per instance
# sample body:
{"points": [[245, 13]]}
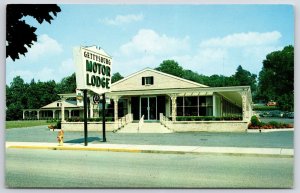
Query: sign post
{"points": [[85, 117], [93, 73], [103, 117]]}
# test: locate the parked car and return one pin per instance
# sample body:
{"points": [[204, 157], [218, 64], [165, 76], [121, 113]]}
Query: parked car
{"points": [[272, 103], [277, 113], [265, 114], [289, 115], [274, 113]]}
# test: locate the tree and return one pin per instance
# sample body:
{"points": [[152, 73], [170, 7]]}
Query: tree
{"points": [[116, 77], [276, 79], [171, 67], [67, 85], [19, 35], [16, 98], [245, 78]]}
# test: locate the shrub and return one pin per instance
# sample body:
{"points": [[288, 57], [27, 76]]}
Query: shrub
{"points": [[207, 118], [98, 119], [255, 121], [58, 125]]}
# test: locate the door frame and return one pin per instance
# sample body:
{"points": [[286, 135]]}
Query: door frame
{"points": [[148, 107]]}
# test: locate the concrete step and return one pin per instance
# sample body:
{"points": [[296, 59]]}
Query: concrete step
{"points": [[146, 128]]}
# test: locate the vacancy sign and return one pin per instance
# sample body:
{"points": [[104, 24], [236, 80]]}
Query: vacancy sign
{"points": [[93, 69]]}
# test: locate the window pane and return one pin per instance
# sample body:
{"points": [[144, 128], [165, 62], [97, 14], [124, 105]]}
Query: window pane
{"points": [[209, 111], [179, 111], [209, 101], [191, 111], [179, 101], [190, 101], [202, 101]]}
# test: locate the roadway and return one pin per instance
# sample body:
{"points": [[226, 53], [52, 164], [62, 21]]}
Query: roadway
{"points": [[88, 169]]}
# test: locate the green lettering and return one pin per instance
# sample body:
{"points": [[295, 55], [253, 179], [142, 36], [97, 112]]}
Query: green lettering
{"points": [[107, 83], [87, 79], [93, 80], [98, 81], [108, 71], [103, 70], [89, 66], [94, 67], [99, 68], [103, 82]]}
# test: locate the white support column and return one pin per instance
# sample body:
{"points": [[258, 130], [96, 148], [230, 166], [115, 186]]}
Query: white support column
{"points": [[129, 106], [244, 106], [63, 110], [38, 114], [174, 107], [23, 114], [53, 114], [70, 113], [116, 99], [91, 107], [214, 105]]}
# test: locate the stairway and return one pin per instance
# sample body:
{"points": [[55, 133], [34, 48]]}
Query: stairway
{"points": [[147, 127]]}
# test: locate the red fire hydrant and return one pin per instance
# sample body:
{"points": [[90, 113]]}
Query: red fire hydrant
{"points": [[60, 137]]}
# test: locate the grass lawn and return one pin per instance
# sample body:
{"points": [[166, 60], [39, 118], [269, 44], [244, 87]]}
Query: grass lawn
{"points": [[18, 124]]}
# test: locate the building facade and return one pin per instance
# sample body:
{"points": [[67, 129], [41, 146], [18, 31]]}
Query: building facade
{"points": [[156, 96]]}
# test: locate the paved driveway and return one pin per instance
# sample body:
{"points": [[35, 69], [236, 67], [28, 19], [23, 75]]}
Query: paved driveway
{"points": [[282, 139]]}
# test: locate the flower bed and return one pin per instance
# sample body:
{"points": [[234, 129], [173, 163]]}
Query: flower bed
{"points": [[257, 124]]}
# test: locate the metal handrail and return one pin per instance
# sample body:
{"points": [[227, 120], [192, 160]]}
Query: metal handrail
{"points": [[141, 122]]}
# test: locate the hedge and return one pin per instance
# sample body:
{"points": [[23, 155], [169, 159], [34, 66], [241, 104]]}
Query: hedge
{"points": [[209, 118], [80, 119]]}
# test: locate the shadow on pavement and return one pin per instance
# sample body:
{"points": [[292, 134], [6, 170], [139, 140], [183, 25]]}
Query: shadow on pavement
{"points": [[81, 140]]}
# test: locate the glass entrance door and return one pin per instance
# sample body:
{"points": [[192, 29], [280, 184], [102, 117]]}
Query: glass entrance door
{"points": [[148, 108]]}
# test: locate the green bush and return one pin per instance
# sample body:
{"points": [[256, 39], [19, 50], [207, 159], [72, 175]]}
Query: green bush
{"points": [[208, 118], [58, 125], [255, 121], [98, 119]]}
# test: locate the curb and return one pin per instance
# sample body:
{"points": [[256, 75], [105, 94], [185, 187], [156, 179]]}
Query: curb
{"points": [[268, 130], [163, 149]]}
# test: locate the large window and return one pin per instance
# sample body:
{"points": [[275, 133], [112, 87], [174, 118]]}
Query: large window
{"points": [[75, 113], [229, 109], [194, 106], [109, 108]]}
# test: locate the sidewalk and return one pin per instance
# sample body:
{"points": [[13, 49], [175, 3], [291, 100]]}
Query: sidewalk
{"points": [[166, 149]]}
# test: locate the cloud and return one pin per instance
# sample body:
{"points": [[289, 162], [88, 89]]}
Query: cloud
{"points": [[44, 74], [44, 47], [224, 54], [243, 40], [122, 19], [66, 67], [149, 42], [217, 55]]}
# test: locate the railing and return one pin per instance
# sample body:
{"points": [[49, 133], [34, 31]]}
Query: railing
{"points": [[121, 122], [141, 122], [165, 121]]}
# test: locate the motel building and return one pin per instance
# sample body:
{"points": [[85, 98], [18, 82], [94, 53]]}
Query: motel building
{"points": [[153, 101]]}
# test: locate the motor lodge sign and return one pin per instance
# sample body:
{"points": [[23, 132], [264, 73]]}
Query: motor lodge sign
{"points": [[93, 69]]}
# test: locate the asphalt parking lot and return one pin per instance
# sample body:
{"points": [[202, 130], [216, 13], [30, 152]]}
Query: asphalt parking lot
{"points": [[282, 139]]}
